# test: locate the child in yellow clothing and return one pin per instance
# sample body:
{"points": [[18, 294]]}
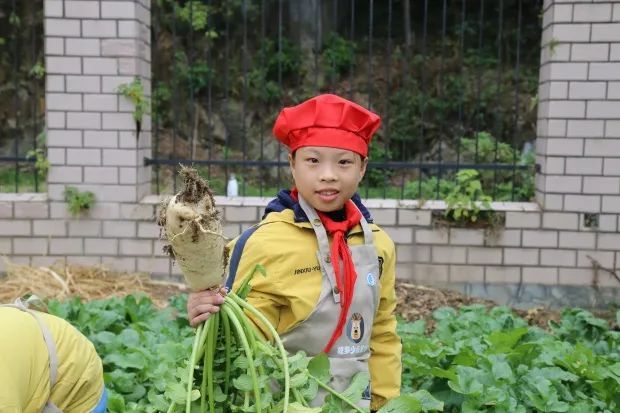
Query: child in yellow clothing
{"points": [[331, 270], [46, 365]]}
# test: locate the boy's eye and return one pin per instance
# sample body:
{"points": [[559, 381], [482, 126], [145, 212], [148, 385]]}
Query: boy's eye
{"points": [[312, 160], [345, 162]]}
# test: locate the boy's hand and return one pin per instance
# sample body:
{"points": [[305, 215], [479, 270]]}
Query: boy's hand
{"points": [[202, 304]]}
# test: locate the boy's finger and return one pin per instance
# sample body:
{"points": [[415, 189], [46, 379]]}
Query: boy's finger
{"points": [[203, 316], [202, 309]]}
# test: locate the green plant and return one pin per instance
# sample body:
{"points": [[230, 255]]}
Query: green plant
{"points": [[377, 177], [140, 346], [465, 200], [475, 359], [134, 92], [38, 71], [430, 188], [143, 350], [501, 184], [194, 75], [338, 56], [479, 360], [78, 202], [273, 67], [553, 43], [195, 14], [14, 19], [41, 163]]}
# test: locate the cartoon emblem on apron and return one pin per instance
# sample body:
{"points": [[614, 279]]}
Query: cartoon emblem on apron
{"points": [[355, 328]]}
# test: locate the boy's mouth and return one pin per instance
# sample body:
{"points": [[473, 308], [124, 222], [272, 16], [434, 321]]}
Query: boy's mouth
{"points": [[327, 194]]}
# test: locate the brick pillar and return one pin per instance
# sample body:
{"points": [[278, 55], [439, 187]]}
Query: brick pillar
{"points": [[92, 47], [578, 144]]}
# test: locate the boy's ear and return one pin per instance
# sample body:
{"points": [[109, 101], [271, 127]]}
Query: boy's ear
{"points": [[363, 170], [291, 164]]}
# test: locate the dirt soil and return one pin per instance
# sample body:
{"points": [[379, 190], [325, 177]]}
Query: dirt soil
{"points": [[417, 302], [414, 301]]}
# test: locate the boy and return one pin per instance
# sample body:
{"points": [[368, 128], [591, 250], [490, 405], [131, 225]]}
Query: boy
{"points": [[46, 365], [330, 270]]}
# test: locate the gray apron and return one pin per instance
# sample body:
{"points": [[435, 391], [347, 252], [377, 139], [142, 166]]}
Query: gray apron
{"points": [[351, 351], [51, 349]]}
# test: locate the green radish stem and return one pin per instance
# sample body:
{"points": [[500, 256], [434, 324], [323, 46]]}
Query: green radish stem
{"points": [[276, 337], [248, 336], [208, 363], [192, 363], [212, 361], [206, 335], [287, 385], [250, 331], [248, 353], [227, 349], [300, 398]]}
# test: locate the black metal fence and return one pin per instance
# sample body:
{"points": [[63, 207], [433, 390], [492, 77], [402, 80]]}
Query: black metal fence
{"points": [[22, 95], [455, 82]]}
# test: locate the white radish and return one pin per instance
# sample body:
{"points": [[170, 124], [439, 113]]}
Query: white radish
{"points": [[193, 227]]}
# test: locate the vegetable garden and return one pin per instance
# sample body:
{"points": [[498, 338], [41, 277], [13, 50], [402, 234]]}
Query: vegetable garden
{"points": [[459, 353], [475, 359]]}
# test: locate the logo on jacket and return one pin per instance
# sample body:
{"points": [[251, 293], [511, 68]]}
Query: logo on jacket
{"points": [[306, 270], [371, 280], [355, 328]]}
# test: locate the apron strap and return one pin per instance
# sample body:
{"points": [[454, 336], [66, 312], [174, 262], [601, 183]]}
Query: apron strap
{"points": [[51, 349], [323, 238], [317, 225], [368, 237]]}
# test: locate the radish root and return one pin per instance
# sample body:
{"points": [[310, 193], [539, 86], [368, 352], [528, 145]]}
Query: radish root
{"points": [[192, 225]]}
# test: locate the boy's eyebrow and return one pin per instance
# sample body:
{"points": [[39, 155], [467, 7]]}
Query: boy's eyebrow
{"points": [[340, 153]]}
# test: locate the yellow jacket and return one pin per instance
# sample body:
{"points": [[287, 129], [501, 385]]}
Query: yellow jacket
{"points": [[24, 365], [290, 291]]}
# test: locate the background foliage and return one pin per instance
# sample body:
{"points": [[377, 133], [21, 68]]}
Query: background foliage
{"points": [[436, 92], [223, 69]]}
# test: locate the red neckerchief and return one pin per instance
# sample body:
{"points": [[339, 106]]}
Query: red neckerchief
{"points": [[340, 252]]}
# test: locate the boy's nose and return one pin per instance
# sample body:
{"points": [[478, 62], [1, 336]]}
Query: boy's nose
{"points": [[328, 175]]}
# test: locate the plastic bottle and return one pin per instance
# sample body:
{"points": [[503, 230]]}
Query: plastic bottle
{"points": [[232, 189]]}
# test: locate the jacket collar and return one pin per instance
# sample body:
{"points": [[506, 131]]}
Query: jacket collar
{"points": [[284, 201]]}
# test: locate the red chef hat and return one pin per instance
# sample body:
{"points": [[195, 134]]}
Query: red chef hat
{"points": [[327, 120]]}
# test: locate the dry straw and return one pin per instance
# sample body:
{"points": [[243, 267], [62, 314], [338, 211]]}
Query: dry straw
{"points": [[62, 281]]}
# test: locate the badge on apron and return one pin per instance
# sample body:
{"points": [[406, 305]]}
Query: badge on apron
{"points": [[355, 328], [371, 280]]}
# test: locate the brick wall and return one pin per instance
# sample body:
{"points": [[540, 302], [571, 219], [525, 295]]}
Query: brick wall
{"points": [[578, 144], [93, 46]]}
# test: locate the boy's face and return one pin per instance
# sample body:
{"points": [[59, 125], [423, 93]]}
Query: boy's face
{"points": [[327, 177]]}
